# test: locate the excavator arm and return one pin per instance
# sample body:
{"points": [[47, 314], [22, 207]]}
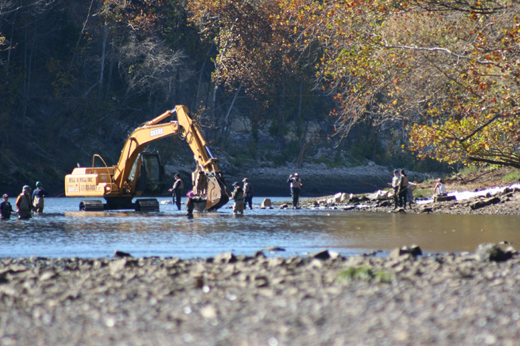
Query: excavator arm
{"points": [[150, 132]]}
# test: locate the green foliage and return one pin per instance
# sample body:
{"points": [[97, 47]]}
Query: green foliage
{"points": [[275, 129], [512, 177], [365, 273], [468, 170], [423, 193]]}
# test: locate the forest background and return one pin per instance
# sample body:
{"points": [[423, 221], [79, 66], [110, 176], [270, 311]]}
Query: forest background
{"points": [[428, 85]]}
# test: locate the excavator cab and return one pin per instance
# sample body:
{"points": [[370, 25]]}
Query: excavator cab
{"points": [[151, 178]]}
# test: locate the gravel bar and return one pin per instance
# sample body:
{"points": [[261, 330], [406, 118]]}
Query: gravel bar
{"points": [[322, 299]]}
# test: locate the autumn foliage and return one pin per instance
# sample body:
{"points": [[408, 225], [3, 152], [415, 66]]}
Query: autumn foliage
{"points": [[448, 70]]}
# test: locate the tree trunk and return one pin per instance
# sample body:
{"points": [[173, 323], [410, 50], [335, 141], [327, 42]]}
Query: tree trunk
{"points": [[195, 102], [103, 54]]}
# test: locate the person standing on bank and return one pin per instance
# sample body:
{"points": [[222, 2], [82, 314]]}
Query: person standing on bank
{"points": [[296, 185], [177, 188], [395, 185], [5, 207], [403, 189], [24, 203], [238, 196], [248, 194], [37, 197]]}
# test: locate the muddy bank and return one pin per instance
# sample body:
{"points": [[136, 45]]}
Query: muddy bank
{"points": [[228, 300]]}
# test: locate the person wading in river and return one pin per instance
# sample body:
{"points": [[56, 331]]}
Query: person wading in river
{"points": [[38, 197], [395, 185], [177, 188], [5, 207], [403, 189], [248, 194], [238, 196], [296, 184], [24, 203]]}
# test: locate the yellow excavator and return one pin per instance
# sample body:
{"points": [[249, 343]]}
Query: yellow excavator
{"points": [[140, 173]]}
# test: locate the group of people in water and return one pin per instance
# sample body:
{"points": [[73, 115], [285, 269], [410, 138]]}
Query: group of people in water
{"points": [[26, 202], [241, 195]]}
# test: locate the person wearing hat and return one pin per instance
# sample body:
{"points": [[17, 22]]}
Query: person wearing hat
{"points": [[37, 197], [248, 194], [24, 203], [238, 197], [177, 188], [296, 184], [5, 207], [395, 185]]}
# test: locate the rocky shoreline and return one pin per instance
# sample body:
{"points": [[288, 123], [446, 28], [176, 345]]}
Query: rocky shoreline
{"points": [[323, 299], [503, 201]]}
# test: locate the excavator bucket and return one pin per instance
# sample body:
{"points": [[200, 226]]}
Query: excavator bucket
{"points": [[217, 193]]}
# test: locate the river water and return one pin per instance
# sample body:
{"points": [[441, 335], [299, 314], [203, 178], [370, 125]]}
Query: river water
{"points": [[62, 231]]}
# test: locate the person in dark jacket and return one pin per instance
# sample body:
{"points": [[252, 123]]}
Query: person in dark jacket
{"points": [[295, 183], [38, 197], [5, 207], [403, 190], [238, 196], [177, 188], [248, 194]]}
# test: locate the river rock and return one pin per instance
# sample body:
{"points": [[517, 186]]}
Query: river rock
{"points": [[485, 202], [226, 257], [491, 252], [444, 198], [118, 253], [273, 248], [266, 203], [325, 254], [413, 251]]}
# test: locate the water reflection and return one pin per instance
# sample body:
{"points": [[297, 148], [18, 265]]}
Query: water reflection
{"points": [[65, 232]]}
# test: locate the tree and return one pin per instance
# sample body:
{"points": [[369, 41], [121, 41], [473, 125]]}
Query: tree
{"points": [[449, 69]]}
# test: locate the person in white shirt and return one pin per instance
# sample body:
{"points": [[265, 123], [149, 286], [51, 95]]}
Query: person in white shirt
{"points": [[440, 189]]}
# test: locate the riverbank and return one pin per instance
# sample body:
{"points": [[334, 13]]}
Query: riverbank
{"points": [[318, 179], [481, 193], [321, 299]]}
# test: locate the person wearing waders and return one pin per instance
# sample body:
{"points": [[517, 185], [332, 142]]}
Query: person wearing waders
{"points": [[238, 197], [24, 203], [395, 185], [37, 197], [248, 194], [410, 197], [177, 188], [296, 184], [403, 189], [5, 207]]}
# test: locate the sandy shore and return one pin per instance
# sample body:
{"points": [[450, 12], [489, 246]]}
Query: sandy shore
{"points": [[460, 299]]}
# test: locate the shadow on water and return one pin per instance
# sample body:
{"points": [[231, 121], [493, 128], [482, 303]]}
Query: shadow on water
{"points": [[64, 232]]}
